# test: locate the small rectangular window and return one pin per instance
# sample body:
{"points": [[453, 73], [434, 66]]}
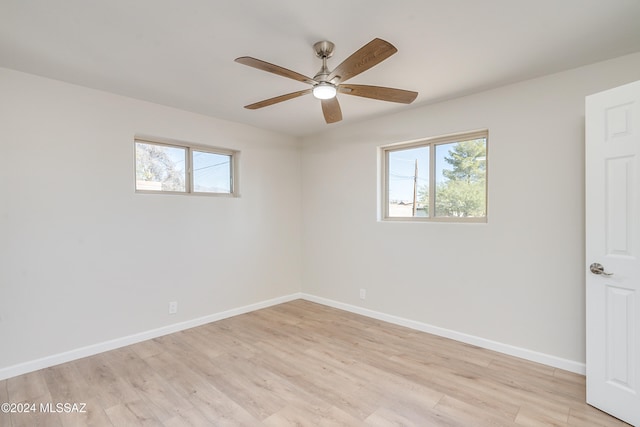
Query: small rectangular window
{"points": [[436, 179], [174, 168]]}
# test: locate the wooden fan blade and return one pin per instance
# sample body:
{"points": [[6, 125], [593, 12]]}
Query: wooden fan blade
{"points": [[277, 99], [374, 52], [378, 92], [331, 110], [275, 69]]}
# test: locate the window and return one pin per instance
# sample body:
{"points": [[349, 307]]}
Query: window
{"points": [[180, 168], [436, 179]]}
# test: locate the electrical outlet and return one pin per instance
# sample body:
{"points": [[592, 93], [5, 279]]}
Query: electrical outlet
{"points": [[363, 293], [173, 307]]}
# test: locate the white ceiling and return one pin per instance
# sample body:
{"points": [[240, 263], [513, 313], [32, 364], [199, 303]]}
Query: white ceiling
{"points": [[180, 52]]}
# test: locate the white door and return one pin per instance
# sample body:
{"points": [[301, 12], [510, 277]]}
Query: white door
{"points": [[613, 251]]}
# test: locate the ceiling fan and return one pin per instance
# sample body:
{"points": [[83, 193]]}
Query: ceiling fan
{"points": [[326, 84]]}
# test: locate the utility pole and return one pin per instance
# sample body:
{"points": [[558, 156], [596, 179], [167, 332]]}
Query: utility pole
{"points": [[415, 190]]}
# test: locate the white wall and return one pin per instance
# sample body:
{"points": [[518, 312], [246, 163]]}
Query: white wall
{"points": [[517, 279], [83, 259]]}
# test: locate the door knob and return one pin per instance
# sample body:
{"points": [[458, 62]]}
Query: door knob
{"points": [[596, 268]]}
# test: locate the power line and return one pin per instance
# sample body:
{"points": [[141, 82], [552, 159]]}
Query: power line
{"points": [[212, 166]]}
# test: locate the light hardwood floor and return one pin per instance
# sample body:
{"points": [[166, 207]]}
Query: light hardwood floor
{"points": [[303, 364]]}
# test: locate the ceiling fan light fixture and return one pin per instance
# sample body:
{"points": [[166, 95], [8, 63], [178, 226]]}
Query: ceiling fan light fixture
{"points": [[324, 90], [325, 84]]}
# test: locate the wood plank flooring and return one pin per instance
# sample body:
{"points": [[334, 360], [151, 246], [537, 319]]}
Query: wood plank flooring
{"points": [[303, 364]]}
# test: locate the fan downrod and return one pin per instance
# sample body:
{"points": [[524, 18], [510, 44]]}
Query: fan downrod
{"points": [[323, 50]]}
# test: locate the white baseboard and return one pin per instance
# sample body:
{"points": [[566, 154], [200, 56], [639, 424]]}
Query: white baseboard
{"points": [[523, 353], [90, 350], [68, 356]]}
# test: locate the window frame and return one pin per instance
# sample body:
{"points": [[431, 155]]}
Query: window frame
{"points": [[189, 175], [432, 142]]}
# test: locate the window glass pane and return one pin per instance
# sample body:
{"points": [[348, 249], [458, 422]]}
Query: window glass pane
{"points": [[460, 174], [160, 167], [211, 172], [408, 185]]}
